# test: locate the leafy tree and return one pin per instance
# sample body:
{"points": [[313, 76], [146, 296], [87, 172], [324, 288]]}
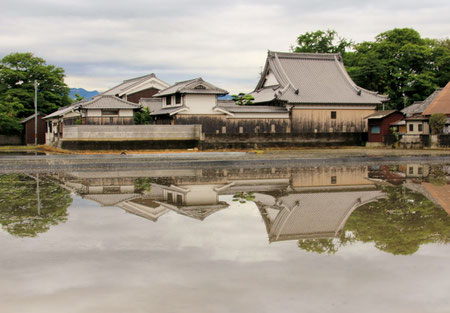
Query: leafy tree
{"points": [[399, 224], [242, 99], [143, 117], [401, 64], [17, 74], [9, 122], [19, 212], [78, 98], [437, 123], [322, 42]]}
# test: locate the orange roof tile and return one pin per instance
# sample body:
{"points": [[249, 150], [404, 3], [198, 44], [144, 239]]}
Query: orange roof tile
{"points": [[440, 104]]}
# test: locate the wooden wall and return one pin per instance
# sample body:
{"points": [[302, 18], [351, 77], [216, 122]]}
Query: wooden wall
{"points": [[147, 93]]}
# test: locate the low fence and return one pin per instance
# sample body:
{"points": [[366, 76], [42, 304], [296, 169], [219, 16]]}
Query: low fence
{"points": [[132, 132], [10, 140]]}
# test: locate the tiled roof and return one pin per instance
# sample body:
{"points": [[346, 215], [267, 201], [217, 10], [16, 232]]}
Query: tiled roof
{"points": [[153, 104], [109, 102], [419, 107], [441, 103], [64, 110], [233, 108], [168, 110], [311, 78], [192, 86], [129, 84], [380, 114]]}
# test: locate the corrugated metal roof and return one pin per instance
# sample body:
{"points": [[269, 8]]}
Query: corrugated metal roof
{"points": [[192, 86], [380, 114], [441, 103], [109, 102], [310, 78]]}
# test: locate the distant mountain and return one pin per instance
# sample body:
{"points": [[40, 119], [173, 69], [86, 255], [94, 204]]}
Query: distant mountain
{"points": [[82, 92]]}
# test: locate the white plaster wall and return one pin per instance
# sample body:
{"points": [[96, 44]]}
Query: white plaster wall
{"points": [[126, 112], [426, 128], [200, 104], [270, 80], [93, 113], [201, 194]]}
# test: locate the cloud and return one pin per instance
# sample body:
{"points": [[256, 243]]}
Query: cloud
{"points": [[100, 44]]}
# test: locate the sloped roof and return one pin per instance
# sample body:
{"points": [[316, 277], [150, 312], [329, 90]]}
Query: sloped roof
{"points": [[153, 104], [109, 102], [30, 117], [64, 110], [168, 110], [380, 114], [131, 86], [419, 107], [311, 78], [111, 199], [233, 108], [441, 103], [192, 86]]}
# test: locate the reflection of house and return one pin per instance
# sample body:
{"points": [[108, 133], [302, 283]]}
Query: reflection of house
{"points": [[318, 90]]}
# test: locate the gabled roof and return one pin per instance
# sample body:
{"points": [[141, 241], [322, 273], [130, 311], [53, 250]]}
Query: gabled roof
{"points": [[109, 102], [30, 117], [441, 103], [137, 84], [311, 78], [64, 110], [419, 107], [380, 114], [192, 86]]}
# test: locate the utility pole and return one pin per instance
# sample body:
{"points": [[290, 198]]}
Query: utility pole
{"points": [[36, 84]]}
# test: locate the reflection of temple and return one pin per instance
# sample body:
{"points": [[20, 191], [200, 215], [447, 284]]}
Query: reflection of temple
{"points": [[294, 203], [319, 204]]}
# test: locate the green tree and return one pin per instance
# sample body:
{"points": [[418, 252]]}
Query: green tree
{"points": [[398, 224], [242, 99], [401, 64], [17, 74], [321, 42], [143, 117], [78, 98], [437, 123], [19, 212], [9, 122]]}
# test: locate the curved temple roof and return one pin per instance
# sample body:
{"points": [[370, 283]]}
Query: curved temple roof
{"points": [[310, 78]]}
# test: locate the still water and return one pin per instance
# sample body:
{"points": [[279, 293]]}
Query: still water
{"points": [[311, 239]]}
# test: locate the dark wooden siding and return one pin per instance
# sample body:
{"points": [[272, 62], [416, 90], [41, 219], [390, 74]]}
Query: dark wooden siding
{"points": [[384, 125], [29, 131]]}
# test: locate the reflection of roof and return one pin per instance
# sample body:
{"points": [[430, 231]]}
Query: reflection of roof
{"points": [[311, 78], [312, 215], [380, 114], [111, 199], [441, 103], [420, 106], [193, 86], [199, 212], [109, 102], [132, 85], [142, 210]]}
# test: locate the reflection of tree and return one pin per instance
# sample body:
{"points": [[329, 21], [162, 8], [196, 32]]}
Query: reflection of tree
{"points": [[398, 224], [19, 214], [143, 184], [243, 197]]}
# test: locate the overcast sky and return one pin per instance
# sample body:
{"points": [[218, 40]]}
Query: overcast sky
{"points": [[99, 43]]}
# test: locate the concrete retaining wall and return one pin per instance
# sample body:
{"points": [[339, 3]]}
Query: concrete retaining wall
{"points": [[132, 132], [10, 140]]}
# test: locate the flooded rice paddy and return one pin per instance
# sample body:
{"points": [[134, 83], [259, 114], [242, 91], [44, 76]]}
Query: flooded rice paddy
{"points": [[351, 238]]}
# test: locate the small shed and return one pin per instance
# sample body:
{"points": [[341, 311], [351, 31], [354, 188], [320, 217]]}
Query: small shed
{"points": [[380, 122], [29, 123]]}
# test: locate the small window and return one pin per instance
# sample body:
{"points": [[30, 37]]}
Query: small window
{"points": [[178, 98], [169, 100], [411, 170], [333, 180], [333, 115], [169, 197], [179, 199], [110, 112], [411, 127], [420, 127], [420, 171], [375, 129]]}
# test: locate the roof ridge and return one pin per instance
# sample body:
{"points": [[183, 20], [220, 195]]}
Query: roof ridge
{"points": [[140, 77], [320, 55]]}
